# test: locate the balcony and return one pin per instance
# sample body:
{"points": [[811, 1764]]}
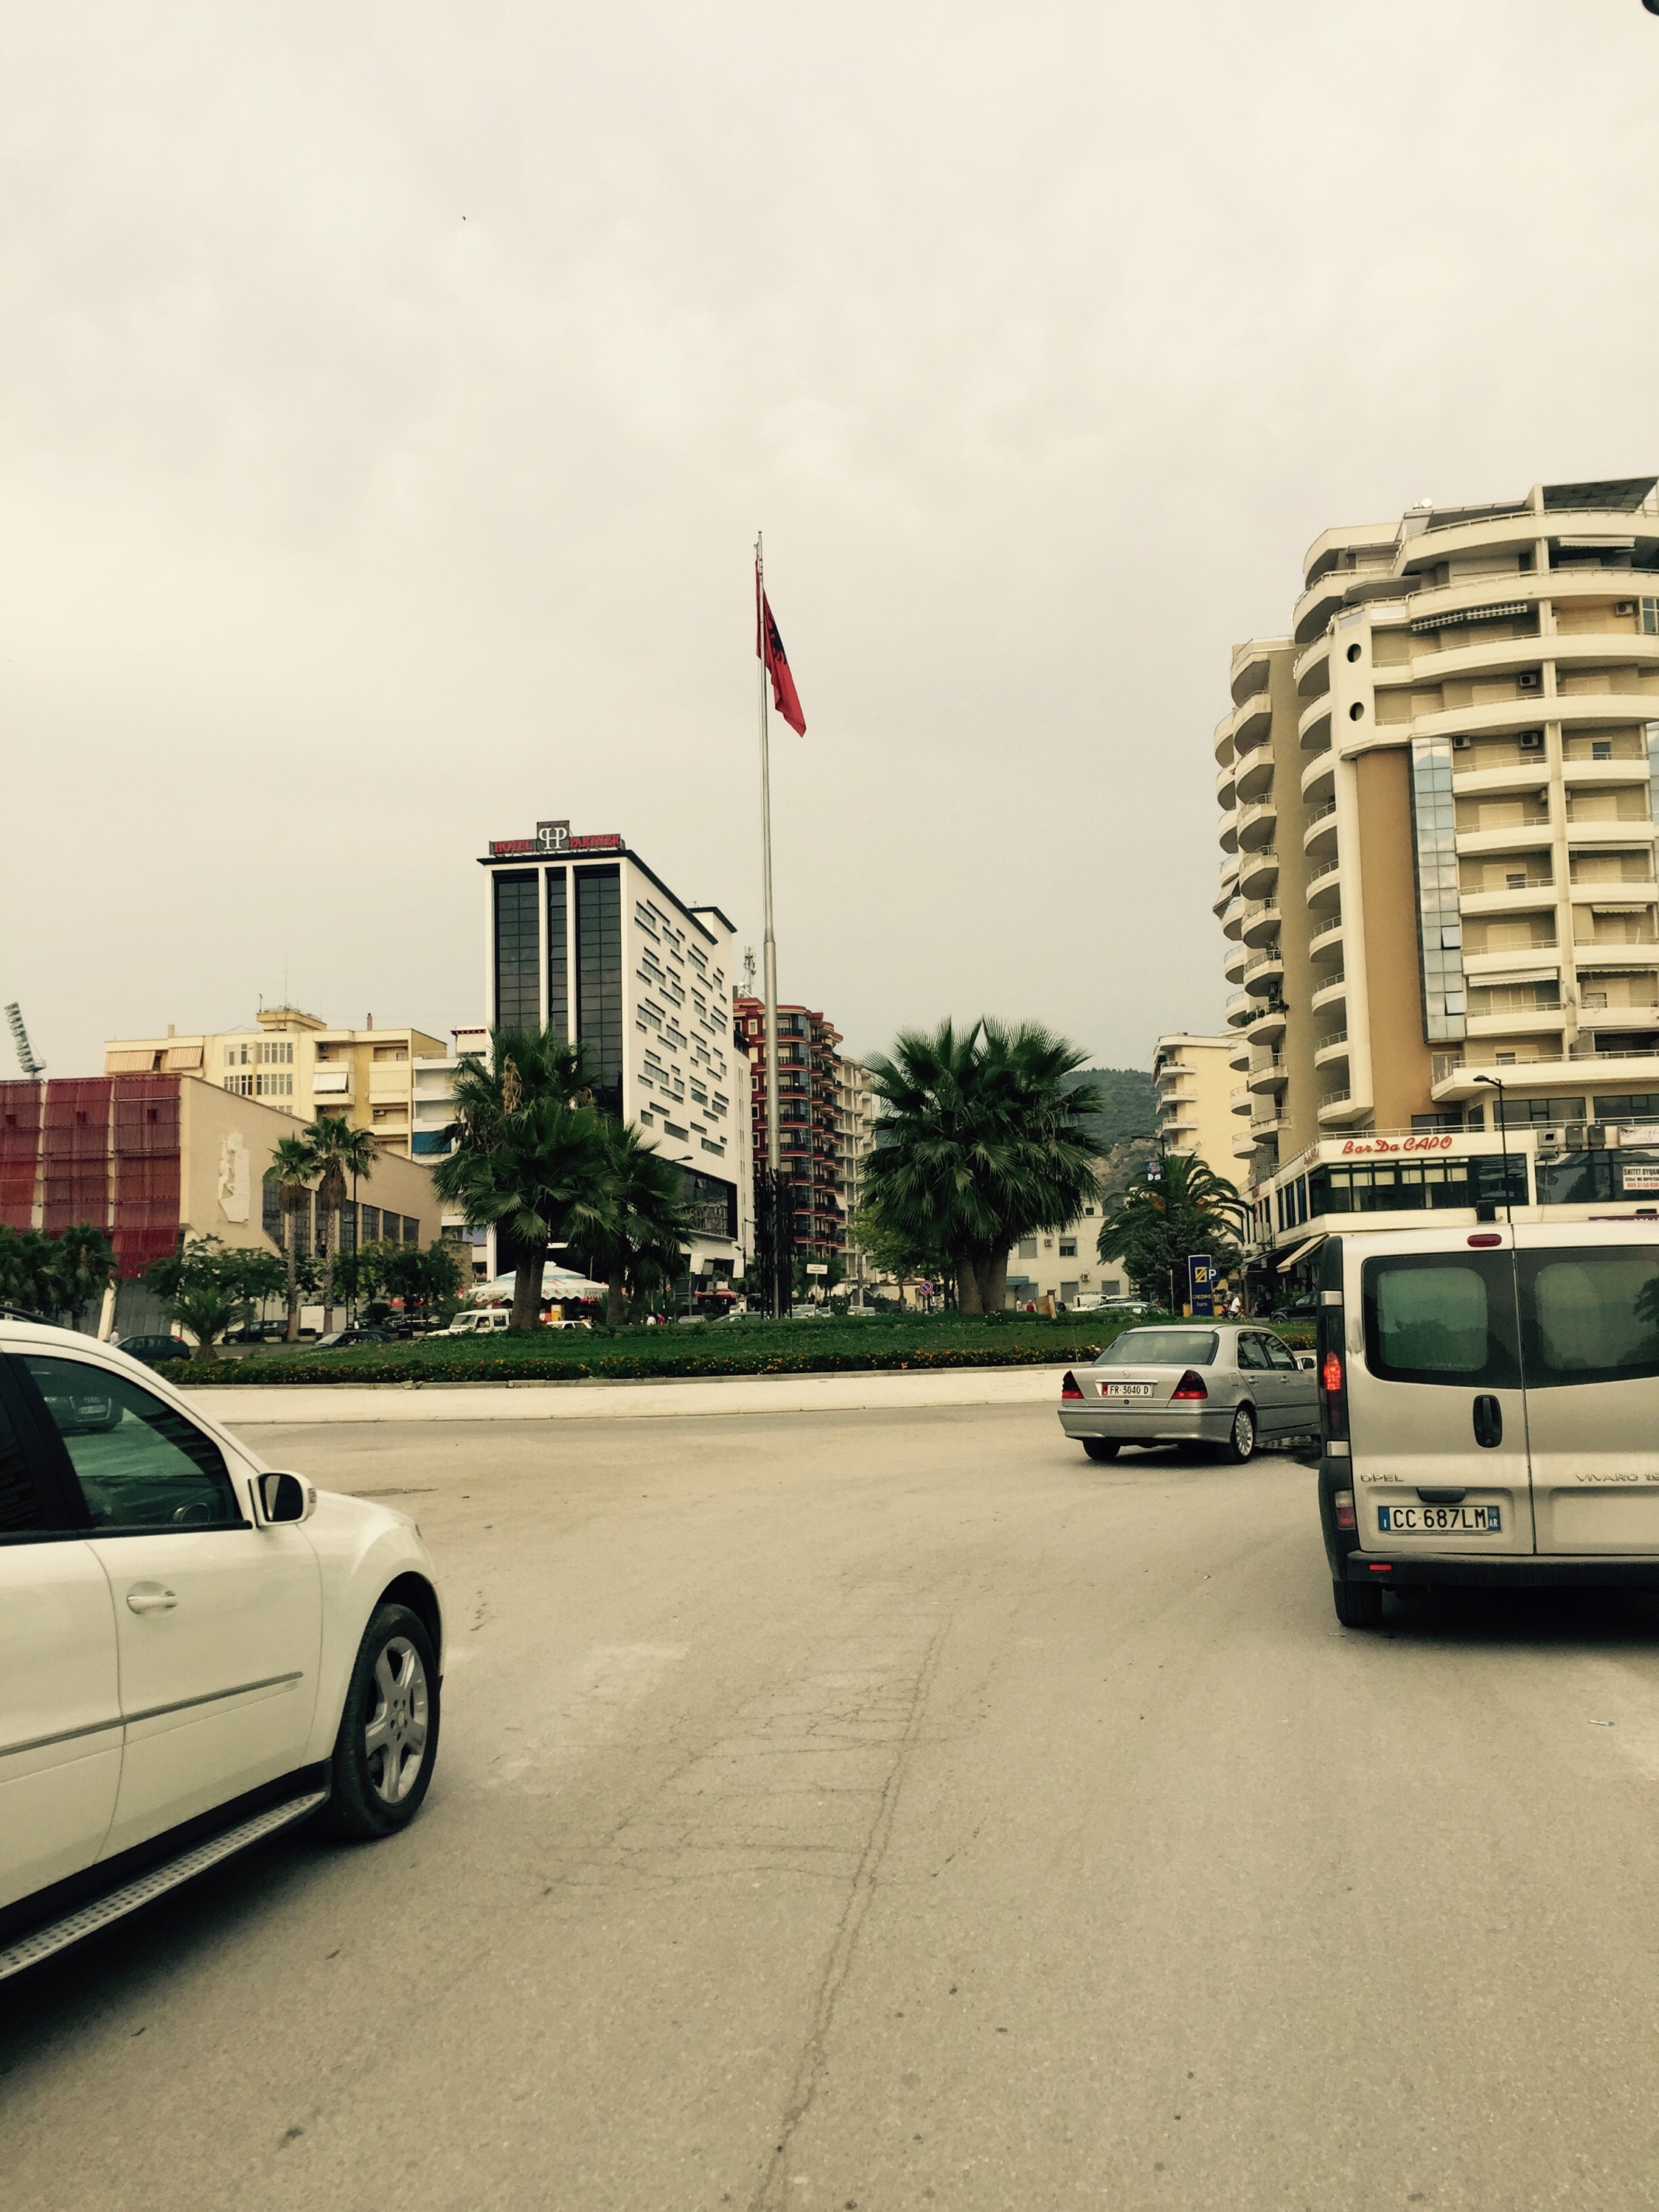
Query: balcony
{"points": [[1244, 1145], [1238, 1101], [1633, 829], [1222, 741], [1579, 711], [1313, 725], [1227, 832], [1253, 723], [1265, 1126], [1330, 992], [1326, 944], [1232, 964], [1319, 831], [1256, 824], [1265, 973], [1268, 1023], [1526, 899], [1484, 967], [1318, 779], [1240, 1005], [1261, 922], [1226, 791], [1325, 884], [1336, 1107], [1232, 918], [1256, 777], [1531, 835], [1239, 1053], [1311, 669], [1258, 871], [1333, 1046], [1251, 669], [1271, 1075]]}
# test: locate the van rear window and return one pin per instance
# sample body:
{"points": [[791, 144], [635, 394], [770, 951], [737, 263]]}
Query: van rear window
{"points": [[1593, 1314], [1442, 1318]]}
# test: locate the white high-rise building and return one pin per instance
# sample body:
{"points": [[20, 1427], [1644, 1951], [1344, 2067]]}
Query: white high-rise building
{"points": [[581, 936]]}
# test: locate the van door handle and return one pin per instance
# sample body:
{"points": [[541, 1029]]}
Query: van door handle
{"points": [[1488, 1422]]}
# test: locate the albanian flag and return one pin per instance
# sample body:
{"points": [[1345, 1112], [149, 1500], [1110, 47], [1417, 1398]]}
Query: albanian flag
{"points": [[769, 647]]}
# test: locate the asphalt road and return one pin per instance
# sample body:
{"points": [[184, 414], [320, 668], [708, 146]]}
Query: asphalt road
{"points": [[897, 1810]]}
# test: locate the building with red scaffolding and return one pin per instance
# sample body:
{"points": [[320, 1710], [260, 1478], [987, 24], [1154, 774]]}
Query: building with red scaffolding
{"points": [[809, 1128]]}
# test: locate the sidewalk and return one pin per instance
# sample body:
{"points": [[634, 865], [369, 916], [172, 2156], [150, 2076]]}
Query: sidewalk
{"points": [[321, 1405]]}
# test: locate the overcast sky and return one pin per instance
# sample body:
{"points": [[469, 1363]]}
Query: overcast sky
{"points": [[390, 394]]}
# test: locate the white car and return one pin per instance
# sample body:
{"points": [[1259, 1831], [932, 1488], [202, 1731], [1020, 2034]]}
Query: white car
{"points": [[195, 1650]]}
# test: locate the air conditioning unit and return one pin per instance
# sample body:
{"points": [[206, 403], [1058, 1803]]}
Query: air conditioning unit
{"points": [[1550, 1142], [1532, 741], [1623, 606], [1573, 1136], [1530, 679], [1462, 745]]}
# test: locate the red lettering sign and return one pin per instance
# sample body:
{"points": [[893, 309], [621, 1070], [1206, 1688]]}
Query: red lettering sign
{"points": [[512, 845]]}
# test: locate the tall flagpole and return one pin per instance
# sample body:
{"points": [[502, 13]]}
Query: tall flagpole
{"points": [[768, 943]]}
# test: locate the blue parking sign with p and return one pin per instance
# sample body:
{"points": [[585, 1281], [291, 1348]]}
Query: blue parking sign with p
{"points": [[1201, 1283]]}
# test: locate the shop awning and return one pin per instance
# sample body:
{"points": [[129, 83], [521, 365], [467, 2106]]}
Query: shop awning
{"points": [[1302, 1251]]}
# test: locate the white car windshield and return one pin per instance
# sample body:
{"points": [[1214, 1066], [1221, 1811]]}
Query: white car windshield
{"points": [[1160, 1347]]}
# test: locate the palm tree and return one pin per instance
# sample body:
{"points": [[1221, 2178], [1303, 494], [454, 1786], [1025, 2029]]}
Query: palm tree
{"points": [[1154, 1227], [530, 1155], [640, 1225], [338, 1151], [983, 1138], [292, 1165], [924, 1182], [1046, 1166]]}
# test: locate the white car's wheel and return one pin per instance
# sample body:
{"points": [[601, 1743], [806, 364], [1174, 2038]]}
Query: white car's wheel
{"points": [[388, 1738]]}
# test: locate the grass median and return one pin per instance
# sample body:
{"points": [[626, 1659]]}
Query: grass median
{"points": [[798, 1347]]}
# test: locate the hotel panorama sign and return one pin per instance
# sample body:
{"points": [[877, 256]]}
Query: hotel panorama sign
{"points": [[552, 842]]}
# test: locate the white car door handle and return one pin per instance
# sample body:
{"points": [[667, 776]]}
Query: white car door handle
{"points": [[150, 1597]]}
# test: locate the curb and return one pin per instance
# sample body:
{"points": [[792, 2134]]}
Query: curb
{"points": [[656, 1397]]}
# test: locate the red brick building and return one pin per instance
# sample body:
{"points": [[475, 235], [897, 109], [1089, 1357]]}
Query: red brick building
{"points": [[810, 1133]]}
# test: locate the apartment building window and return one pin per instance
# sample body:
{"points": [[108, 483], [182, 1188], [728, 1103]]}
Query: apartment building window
{"points": [[1439, 925], [1068, 1248], [1650, 618], [1651, 733], [599, 979], [1628, 1106], [518, 983], [558, 947]]}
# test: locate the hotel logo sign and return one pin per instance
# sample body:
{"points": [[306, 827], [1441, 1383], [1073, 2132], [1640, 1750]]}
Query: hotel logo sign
{"points": [[552, 842]]}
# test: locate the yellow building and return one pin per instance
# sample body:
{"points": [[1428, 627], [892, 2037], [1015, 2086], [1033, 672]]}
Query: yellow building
{"points": [[1437, 831], [296, 1063], [1194, 1079]]}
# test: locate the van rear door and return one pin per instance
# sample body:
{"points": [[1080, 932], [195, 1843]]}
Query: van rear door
{"points": [[1436, 1411], [1590, 1344]]}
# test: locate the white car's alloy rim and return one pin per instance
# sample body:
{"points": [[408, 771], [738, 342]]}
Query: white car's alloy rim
{"points": [[1243, 1433], [394, 1740]]}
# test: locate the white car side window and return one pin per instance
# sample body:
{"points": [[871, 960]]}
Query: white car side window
{"points": [[140, 1465]]}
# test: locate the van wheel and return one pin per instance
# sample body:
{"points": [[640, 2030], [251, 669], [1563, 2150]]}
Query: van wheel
{"points": [[1358, 1604], [1241, 1443], [1099, 1448]]}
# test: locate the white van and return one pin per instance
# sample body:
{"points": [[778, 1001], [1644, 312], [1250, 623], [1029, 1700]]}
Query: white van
{"points": [[478, 1321], [1489, 1403]]}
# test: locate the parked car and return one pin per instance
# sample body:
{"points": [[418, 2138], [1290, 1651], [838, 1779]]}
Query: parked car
{"points": [[338, 1338], [195, 1650], [156, 1350], [1228, 1384], [479, 1320], [1489, 1409]]}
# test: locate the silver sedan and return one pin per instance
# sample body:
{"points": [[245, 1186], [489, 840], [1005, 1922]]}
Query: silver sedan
{"points": [[1228, 1384]]}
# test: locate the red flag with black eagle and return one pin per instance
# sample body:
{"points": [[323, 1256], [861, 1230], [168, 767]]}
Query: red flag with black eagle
{"points": [[769, 647]]}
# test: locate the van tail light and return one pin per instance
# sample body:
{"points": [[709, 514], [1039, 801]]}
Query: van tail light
{"points": [[1069, 1387], [1190, 1388], [1343, 1502], [1333, 1378]]}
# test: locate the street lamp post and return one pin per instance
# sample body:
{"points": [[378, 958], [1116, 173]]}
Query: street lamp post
{"points": [[1492, 1082]]}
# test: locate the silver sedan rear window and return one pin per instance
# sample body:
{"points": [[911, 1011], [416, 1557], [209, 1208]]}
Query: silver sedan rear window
{"points": [[1160, 1347]]}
